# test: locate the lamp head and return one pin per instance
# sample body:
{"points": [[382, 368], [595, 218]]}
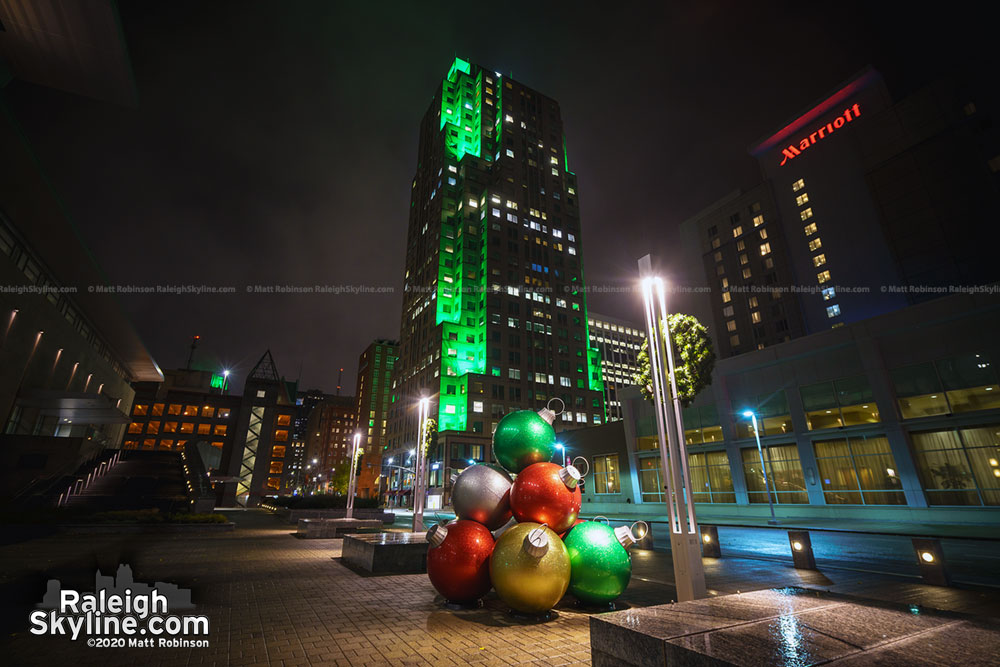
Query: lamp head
{"points": [[747, 413]]}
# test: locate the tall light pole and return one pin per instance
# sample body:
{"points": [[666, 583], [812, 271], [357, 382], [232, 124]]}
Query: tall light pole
{"points": [[352, 476], [685, 542], [420, 473], [760, 452]]}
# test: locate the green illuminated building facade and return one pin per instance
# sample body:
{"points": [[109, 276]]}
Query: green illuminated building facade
{"points": [[494, 311]]}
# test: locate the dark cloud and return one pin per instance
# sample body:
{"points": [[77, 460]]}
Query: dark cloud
{"points": [[275, 142]]}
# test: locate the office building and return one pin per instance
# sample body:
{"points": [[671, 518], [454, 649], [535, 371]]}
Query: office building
{"points": [[329, 437], [619, 343], [865, 207], [305, 401], [374, 389], [494, 312], [895, 418]]}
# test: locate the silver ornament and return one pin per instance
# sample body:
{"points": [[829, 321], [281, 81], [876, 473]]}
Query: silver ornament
{"points": [[482, 494]]}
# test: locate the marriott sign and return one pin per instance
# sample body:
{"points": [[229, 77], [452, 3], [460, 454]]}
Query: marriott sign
{"points": [[793, 151]]}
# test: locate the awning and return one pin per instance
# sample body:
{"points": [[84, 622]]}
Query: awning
{"points": [[72, 407]]}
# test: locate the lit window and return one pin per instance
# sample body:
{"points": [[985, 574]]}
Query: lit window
{"points": [[763, 234], [726, 297], [473, 203], [744, 259], [737, 230], [755, 316], [765, 248], [802, 199], [810, 229], [815, 244], [823, 277], [510, 153], [728, 311], [508, 118], [746, 272], [806, 213], [833, 311], [819, 260], [741, 246], [829, 293], [798, 185], [477, 406], [449, 409], [571, 250], [758, 220], [731, 325], [752, 302]]}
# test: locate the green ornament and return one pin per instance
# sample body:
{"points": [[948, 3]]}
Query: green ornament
{"points": [[522, 438], [600, 566]]}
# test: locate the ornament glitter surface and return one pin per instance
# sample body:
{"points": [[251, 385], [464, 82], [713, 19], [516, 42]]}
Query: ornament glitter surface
{"points": [[459, 568], [529, 584], [482, 493], [540, 495], [600, 566], [523, 438]]}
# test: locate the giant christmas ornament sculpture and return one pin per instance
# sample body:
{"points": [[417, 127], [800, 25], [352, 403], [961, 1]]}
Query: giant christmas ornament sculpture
{"points": [[482, 493], [458, 561], [530, 568], [599, 561], [524, 437], [547, 493]]}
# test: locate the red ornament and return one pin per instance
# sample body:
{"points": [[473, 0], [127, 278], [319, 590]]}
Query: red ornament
{"points": [[547, 493], [459, 567]]}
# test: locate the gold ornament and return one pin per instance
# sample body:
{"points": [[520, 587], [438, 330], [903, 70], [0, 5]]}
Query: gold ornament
{"points": [[530, 568]]}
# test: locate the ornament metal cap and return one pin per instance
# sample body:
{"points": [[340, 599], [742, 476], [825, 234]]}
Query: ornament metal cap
{"points": [[570, 476], [626, 537], [536, 542], [548, 414], [436, 535]]}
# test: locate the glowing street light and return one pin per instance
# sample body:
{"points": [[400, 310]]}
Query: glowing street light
{"points": [[420, 465], [562, 448], [760, 453], [353, 475], [685, 541]]}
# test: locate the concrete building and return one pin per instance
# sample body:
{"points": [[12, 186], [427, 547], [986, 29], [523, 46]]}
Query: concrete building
{"points": [[68, 353], [865, 207], [329, 437], [374, 389], [619, 343], [494, 311], [895, 418]]}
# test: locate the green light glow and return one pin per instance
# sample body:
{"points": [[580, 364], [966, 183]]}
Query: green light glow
{"points": [[217, 381], [461, 110]]}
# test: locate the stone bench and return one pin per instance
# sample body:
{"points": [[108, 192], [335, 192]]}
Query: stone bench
{"points": [[784, 627], [386, 553], [293, 516], [330, 528]]}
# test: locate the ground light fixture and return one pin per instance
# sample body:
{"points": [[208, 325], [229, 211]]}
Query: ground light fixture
{"points": [[710, 547], [802, 551], [930, 561]]}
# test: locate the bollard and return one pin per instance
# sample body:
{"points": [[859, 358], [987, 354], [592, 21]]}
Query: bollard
{"points": [[930, 559], [802, 551], [710, 547]]}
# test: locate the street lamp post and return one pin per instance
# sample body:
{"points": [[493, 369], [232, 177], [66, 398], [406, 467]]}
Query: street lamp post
{"points": [[352, 476], [419, 467], [685, 541], [562, 448], [760, 452]]}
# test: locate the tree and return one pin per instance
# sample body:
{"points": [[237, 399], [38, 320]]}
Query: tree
{"points": [[430, 435], [694, 358], [340, 478]]}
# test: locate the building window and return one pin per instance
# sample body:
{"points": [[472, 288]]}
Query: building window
{"points": [[140, 409], [187, 427], [823, 277], [810, 229], [726, 297], [744, 259], [208, 411], [734, 340], [966, 383], [700, 425], [959, 466], [819, 260], [798, 185], [731, 325], [649, 478], [728, 311], [829, 293], [858, 471], [806, 213], [833, 311], [765, 248], [758, 220], [784, 475], [711, 480], [606, 474], [815, 244], [844, 402], [737, 230], [755, 316], [477, 406], [747, 273], [802, 199]]}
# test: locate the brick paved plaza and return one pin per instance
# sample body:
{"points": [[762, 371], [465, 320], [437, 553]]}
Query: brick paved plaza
{"points": [[276, 599]]}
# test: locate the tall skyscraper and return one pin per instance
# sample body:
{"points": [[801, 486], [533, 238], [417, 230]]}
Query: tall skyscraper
{"points": [[494, 311], [619, 343], [374, 389]]}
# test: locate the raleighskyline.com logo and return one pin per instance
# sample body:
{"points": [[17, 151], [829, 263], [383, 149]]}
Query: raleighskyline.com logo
{"points": [[120, 613]]}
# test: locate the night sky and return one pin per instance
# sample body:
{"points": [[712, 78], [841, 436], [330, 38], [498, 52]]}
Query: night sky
{"points": [[275, 142]]}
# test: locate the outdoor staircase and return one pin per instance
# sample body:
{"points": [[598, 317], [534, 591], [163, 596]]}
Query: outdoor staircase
{"points": [[140, 480]]}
